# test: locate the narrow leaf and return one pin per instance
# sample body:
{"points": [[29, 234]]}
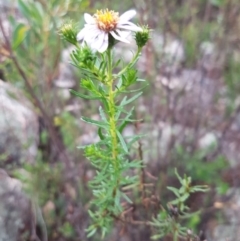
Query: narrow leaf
{"points": [[90, 234], [119, 84], [184, 197], [120, 107], [132, 91], [134, 139], [174, 190], [179, 178], [123, 143], [87, 97], [126, 198], [19, 35], [125, 121], [117, 199], [132, 98], [24, 8], [102, 114], [117, 63], [100, 134], [94, 122]]}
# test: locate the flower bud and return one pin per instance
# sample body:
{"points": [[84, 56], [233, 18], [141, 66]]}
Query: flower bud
{"points": [[143, 36], [68, 32]]}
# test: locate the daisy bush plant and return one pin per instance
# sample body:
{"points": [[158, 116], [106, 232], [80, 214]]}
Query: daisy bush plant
{"points": [[111, 82]]}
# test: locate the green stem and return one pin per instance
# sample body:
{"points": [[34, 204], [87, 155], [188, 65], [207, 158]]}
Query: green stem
{"points": [[111, 104], [133, 61], [175, 236]]}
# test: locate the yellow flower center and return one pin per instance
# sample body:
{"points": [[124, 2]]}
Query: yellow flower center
{"points": [[106, 20]]}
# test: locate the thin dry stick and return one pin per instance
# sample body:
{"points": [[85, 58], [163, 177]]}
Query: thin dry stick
{"points": [[140, 154], [132, 221]]}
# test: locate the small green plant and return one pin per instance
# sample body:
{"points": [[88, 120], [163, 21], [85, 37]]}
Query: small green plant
{"points": [[169, 220], [110, 82]]}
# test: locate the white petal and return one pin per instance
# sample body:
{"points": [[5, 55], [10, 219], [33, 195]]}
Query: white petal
{"points": [[89, 19], [131, 27], [123, 34], [81, 34], [98, 41], [127, 23], [87, 32], [127, 15], [92, 34], [118, 37], [104, 46], [91, 28]]}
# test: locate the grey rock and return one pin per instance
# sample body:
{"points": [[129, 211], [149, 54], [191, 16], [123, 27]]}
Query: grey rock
{"points": [[7, 29], [226, 232], [171, 49], [65, 79], [8, 4], [207, 140], [227, 228], [19, 214], [18, 127], [14, 208]]}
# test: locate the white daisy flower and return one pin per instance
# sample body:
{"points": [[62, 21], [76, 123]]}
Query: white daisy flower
{"points": [[104, 22]]}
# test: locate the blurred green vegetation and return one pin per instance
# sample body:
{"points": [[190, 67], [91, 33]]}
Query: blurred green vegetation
{"points": [[37, 48]]}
